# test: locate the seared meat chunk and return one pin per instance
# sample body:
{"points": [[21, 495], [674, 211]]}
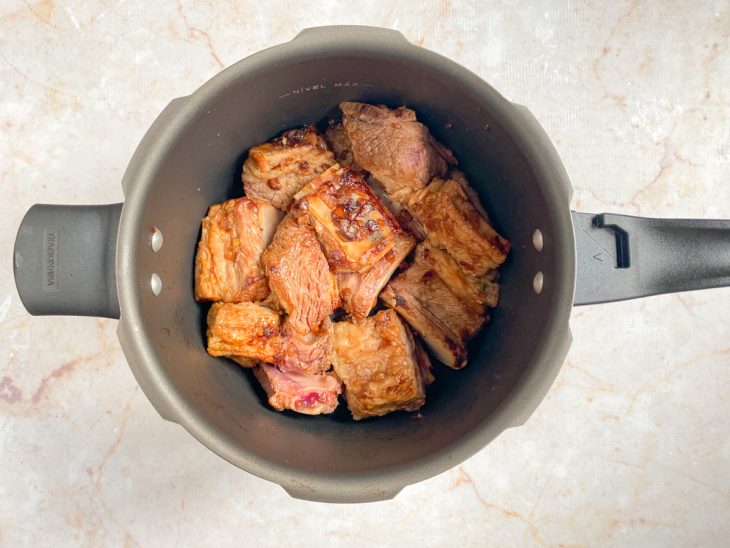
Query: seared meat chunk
{"points": [[277, 170], [379, 365], [399, 151], [244, 332], [339, 144], [299, 275], [444, 305], [359, 290], [453, 223], [228, 263], [308, 353], [355, 229], [307, 394]]}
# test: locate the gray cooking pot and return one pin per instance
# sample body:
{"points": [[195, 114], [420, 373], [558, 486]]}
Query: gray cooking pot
{"points": [[99, 260]]}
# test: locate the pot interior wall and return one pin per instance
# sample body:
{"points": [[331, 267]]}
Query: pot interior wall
{"points": [[205, 168]]}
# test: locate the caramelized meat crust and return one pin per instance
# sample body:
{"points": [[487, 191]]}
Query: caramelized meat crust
{"points": [[359, 290], [354, 227], [245, 332]]}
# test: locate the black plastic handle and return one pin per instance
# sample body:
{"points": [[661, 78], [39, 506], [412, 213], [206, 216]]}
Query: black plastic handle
{"points": [[64, 260], [623, 257]]}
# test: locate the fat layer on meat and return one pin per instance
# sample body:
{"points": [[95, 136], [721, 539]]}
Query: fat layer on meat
{"points": [[359, 290], [476, 292]]}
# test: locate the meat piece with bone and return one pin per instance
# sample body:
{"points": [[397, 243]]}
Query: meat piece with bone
{"points": [[380, 365], [299, 276], [453, 223], [277, 170], [354, 227], [398, 150], [360, 290], [443, 304], [307, 394], [475, 292], [228, 262]]}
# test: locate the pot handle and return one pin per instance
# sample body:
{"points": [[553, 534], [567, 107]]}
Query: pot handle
{"points": [[351, 33], [622, 257], [64, 260]]}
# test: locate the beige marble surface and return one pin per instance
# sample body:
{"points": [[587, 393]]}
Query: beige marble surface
{"points": [[631, 446]]}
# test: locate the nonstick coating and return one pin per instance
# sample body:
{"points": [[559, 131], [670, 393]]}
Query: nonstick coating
{"points": [[192, 158]]}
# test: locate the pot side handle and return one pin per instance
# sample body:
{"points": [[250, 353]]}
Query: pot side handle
{"points": [[64, 260], [351, 33], [622, 257], [339, 495]]}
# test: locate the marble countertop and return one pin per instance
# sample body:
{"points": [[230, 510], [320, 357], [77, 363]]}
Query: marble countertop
{"points": [[631, 445]]}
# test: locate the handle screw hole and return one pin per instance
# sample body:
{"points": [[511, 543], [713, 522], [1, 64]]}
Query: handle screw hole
{"points": [[537, 240], [155, 239], [537, 282], [155, 284]]}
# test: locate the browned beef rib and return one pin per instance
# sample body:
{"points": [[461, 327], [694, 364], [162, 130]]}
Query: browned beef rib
{"points": [[452, 222], [228, 262], [277, 170], [360, 290], [306, 352]]}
